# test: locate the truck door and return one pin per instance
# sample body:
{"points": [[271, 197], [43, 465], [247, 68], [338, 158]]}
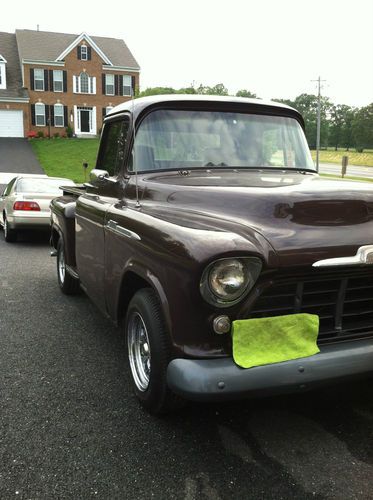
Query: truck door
{"points": [[91, 209]]}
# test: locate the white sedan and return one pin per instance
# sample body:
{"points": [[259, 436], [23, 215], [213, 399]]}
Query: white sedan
{"points": [[24, 203]]}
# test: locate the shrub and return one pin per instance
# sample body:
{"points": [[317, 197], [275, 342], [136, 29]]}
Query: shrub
{"points": [[56, 135], [31, 134], [69, 131], [40, 134]]}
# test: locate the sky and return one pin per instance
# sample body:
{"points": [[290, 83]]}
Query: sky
{"points": [[274, 48]]}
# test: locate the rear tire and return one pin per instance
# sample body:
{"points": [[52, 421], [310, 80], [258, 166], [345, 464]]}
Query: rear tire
{"points": [[148, 352], [10, 235], [67, 283]]}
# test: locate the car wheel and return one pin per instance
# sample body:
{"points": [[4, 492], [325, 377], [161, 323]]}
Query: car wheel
{"points": [[67, 283], [10, 235], [149, 353]]}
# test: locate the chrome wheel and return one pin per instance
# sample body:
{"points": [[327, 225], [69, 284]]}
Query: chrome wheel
{"points": [[139, 351], [61, 265], [5, 229]]}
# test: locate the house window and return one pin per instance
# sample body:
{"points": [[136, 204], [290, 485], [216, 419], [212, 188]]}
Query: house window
{"points": [[40, 114], [108, 109], [38, 79], [57, 80], [109, 84], [84, 53], [127, 85], [58, 115], [84, 84], [2, 73]]}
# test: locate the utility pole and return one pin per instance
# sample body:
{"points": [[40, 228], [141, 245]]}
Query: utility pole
{"points": [[318, 120]]}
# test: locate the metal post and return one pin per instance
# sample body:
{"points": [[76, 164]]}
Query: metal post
{"points": [[318, 132], [318, 124]]}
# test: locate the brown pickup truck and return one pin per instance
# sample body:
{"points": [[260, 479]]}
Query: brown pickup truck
{"points": [[202, 211]]}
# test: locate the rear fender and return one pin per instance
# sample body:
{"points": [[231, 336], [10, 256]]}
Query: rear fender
{"points": [[63, 226]]}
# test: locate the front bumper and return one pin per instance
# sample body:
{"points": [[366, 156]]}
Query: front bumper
{"points": [[221, 379]]}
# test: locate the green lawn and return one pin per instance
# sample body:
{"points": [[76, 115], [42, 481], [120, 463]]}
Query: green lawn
{"points": [[64, 157], [331, 156]]}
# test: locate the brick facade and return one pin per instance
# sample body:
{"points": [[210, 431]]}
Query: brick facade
{"points": [[73, 67], [82, 111]]}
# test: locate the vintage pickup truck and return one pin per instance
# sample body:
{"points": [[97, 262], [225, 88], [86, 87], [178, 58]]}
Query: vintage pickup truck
{"points": [[204, 211]]}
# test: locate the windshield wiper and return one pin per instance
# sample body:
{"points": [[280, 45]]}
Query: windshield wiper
{"points": [[211, 164]]}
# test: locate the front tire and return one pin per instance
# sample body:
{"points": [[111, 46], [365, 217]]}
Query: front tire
{"points": [[10, 235], [67, 283], [149, 353]]}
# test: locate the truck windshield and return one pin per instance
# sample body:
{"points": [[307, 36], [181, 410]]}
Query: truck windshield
{"points": [[177, 139]]}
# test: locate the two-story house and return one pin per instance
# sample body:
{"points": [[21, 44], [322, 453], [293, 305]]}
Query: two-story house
{"points": [[51, 81]]}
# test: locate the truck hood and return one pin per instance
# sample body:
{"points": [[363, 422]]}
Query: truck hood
{"points": [[303, 217]]}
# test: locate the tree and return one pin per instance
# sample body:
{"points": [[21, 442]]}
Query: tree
{"points": [[362, 128], [218, 89], [246, 93], [340, 126], [306, 104], [348, 140], [157, 91], [187, 90]]}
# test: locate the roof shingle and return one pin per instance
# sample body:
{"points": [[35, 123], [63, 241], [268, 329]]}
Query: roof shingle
{"points": [[8, 49], [47, 46]]}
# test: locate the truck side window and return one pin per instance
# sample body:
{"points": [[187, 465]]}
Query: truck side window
{"points": [[113, 146]]}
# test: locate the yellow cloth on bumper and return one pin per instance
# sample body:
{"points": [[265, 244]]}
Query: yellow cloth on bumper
{"points": [[262, 341]]}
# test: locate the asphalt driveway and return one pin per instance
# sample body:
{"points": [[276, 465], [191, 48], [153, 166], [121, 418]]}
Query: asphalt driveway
{"points": [[16, 155], [70, 427]]}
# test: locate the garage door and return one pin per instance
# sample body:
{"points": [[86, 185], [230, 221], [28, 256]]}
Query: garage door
{"points": [[11, 123]]}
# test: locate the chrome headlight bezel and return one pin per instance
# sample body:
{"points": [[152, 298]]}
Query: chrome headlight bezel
{"points": [[251, 267]]}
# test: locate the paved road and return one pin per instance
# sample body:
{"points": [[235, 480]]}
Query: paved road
{"points": [[16, 155], [352, 170], [70, 427]]}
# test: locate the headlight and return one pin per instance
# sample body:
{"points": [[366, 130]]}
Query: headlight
{"points": [[226, 281]]}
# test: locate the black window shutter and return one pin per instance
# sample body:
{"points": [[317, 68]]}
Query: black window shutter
{"points": [[103, 113], [51, 80], [79, 50], [46, 86], [103, 84], [121, 84], [46, 114], [116, 78], [64, 81], [32, 86], [89, 53], [51, 107], [33, 114], [65, 120], [133, 78]]}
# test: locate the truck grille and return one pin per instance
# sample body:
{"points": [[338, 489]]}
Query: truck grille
{"points": [[344, 304]]}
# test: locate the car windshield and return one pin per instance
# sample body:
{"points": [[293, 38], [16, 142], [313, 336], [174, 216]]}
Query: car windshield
{"points": [[177, 139], [42, 186]]}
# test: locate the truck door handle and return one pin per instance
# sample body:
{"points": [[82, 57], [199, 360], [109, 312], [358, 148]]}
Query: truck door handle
{"points": [[113, 226]]}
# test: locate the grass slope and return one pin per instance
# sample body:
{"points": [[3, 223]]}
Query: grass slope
{"points": [[64, 157], [360, 159]]}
